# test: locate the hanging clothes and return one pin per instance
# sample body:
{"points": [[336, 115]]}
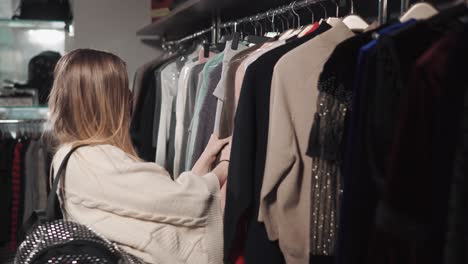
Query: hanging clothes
{"points": [[455, 248], [185, 105], [398, 144], [208, 80], [138, 84], [221, 89], [23, 181], [16, 196], [35, 175], [246, 170], [359, 190], [206, 115], [231, 94], [147, 109], [310, 223], [6, 159], [423, 150], [169, 78], [324, 125]]}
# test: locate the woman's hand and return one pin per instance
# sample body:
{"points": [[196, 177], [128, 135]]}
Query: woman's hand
{"points": [[205, 162], [221, 171], [226, 152]]}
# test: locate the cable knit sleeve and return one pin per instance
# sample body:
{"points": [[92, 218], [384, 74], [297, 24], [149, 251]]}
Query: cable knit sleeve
{"points": [[105, 178]]}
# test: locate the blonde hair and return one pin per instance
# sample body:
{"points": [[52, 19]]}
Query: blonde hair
{"points": [[90, 102]]}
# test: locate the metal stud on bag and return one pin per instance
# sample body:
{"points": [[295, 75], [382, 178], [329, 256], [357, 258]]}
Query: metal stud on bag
{"points": [[61, 232]]}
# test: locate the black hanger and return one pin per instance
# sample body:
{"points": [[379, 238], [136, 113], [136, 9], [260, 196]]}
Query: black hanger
{"points": [[206, 50], [257, 39], [235, 40]]}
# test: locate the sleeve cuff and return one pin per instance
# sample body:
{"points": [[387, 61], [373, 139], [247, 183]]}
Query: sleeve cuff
{"points": [[214, 227]]}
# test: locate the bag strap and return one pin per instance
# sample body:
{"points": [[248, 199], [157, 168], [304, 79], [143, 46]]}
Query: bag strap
{"points": [[52, 198]]}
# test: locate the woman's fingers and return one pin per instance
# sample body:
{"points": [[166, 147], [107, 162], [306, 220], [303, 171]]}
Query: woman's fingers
{"points": [[220, 143]]}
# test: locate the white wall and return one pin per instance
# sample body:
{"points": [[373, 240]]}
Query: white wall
{"points": [[111, 25]]}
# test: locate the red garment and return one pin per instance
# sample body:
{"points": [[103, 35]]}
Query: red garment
{"points": [[16, 193], [314, 27], [240, 259]]}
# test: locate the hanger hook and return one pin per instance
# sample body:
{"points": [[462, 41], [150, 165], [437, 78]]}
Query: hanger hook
{"points": [[262, 30], [289, 15], [286, 19], [273, 29], [337, 8], [257, 23], [254, 26], [281, 21], [295, 13], [273, 26], [312, 12], [324, 9]]}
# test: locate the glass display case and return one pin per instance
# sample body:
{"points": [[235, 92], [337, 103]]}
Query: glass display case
{"points": [[20, 40]]}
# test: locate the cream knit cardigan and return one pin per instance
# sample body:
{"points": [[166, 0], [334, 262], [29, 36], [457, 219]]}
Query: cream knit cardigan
{"points": [[138, 206]]}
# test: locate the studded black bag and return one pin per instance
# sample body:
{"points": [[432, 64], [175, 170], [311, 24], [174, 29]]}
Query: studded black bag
{"points": [[55, 240]]}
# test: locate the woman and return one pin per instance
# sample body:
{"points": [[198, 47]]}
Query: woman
{"points": [[130, 202]]}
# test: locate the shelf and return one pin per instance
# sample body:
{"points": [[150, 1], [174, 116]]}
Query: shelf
{"points": [[196, 15], [33, 24], [23, 113], [181, 21]]}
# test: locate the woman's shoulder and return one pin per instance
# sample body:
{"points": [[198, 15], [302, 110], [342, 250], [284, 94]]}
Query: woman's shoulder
{"points": [[100, 155]]}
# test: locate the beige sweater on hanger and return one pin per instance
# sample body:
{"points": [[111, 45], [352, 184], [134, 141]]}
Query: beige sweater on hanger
{"points": [[286, 202], [138, 206]]}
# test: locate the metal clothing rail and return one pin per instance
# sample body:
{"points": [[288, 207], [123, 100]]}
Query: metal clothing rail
{"points": [[190, 37], [274, 12], [271, 13], [382, 17]]}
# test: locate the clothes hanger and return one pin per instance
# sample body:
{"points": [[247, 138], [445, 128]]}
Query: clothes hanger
{"points": [[295, 30], [334, 20], [308, 27], [419, 11], [354, 22], [235, 37], [291, 13], [273, 33], [256, 39], [282, 22], [266, 22], [299, 28], [261, 28], [337, 11], [286, 35], [325, 15]]}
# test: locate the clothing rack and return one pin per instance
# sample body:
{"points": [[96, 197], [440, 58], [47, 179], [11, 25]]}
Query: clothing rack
{"points": [[273, 13], [260, 16], [17, 127], [190, 37], [216, 26]]}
